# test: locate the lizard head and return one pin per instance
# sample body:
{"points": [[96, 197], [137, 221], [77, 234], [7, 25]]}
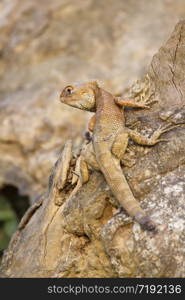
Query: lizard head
{"points": [[82, 96]]}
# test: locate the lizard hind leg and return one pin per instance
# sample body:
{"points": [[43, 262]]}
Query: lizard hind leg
{"points": [[120, 145], [155, 137]]}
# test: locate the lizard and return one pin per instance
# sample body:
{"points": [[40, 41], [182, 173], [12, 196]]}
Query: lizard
{"points": [[109, 142]]}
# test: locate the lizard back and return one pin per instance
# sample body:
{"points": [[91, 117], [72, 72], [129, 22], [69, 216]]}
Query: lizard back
{"points": [[109, 122]]}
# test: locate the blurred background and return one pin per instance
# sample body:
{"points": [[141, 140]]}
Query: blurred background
{"points": [[45, 45]]}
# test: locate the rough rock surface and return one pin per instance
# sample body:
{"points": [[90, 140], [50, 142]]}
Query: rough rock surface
{"points": [[87, 236], [44, 45]]}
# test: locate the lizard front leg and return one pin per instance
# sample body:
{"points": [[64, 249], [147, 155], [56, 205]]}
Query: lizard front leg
{"points": [[86, 160], [59, 176], [91, 125], [81, 175], [155, 137], [144, 103]]}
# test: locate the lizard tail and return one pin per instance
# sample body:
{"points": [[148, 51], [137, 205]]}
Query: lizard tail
{"points": [[115, 178]]}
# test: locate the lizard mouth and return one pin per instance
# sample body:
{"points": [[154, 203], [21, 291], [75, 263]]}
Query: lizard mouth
{"points": [[65, 99], [68, 100], [62, 99]]}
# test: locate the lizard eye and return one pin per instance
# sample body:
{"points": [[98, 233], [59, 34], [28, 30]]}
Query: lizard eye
{"points": [[68, 90]]}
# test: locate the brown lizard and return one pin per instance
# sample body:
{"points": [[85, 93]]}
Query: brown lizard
{"points": [[109, 141]]}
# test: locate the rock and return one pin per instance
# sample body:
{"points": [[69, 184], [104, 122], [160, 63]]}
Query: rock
{"points": [[45, 46], [87, 236]]}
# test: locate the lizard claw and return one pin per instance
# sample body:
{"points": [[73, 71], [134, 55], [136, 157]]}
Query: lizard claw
{"points": [[167, 127], [162, 140], [147, 102]]}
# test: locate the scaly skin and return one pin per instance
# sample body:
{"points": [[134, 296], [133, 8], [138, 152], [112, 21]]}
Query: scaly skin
{"points": [[109, 141], [107, 128]]}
